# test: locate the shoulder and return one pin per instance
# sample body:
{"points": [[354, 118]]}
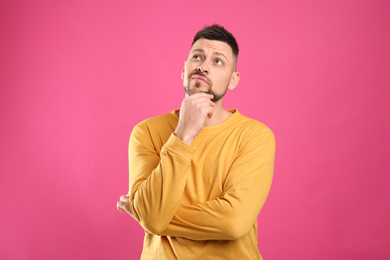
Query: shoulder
{"points": [[156, 121], [253, 128], [156, 128]]}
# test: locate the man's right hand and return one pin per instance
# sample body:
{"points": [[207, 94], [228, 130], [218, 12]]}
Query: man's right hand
{"points": [[193, 112]]}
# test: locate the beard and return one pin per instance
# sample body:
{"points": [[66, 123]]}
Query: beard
{"points": [[216, 96]]}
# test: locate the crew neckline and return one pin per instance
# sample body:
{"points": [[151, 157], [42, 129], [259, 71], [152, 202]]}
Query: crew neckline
{"points": [[207, 129]]}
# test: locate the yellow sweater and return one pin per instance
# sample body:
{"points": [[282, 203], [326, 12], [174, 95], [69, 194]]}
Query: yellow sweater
{"points": [[200, 201]]}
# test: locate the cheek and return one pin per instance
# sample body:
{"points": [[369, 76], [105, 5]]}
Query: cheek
{"points": [[184, 73], [224, 80]]}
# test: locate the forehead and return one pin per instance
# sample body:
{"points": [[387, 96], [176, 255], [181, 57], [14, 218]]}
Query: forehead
{"points": [[213, 46]]}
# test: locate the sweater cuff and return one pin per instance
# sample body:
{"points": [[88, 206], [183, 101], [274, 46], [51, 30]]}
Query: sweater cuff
{"points": [[178, 147]]}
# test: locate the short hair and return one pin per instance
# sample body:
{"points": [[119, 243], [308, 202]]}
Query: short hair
{"points": [[218, 33]]}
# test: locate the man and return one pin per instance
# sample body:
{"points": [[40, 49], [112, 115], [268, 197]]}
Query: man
{"points": [[199, 176]]}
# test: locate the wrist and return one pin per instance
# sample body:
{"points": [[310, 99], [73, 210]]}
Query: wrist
{"points": [[186, 138]]}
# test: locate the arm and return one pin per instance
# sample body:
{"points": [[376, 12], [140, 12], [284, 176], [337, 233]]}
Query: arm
{"points": [[153, 199], [246, 188], [157, 181]]}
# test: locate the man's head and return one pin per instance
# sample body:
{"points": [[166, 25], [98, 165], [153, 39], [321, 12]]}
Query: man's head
{"points": [[211, 64], [218, 33]]}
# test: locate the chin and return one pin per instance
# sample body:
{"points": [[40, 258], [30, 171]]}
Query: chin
{"points": [[199, 91], [195, 90]]}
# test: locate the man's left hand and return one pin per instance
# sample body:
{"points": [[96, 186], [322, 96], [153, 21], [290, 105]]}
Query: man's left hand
{"points": [[123, 204]]}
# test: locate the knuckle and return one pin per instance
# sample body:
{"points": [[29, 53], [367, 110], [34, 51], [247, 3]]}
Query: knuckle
{"points": [[205, 110]]}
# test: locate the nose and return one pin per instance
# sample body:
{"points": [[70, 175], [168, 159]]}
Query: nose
{"points": [[202, 68]]}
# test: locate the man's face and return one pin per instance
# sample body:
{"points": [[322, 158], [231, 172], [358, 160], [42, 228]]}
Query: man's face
{"points": [[210, 68]]}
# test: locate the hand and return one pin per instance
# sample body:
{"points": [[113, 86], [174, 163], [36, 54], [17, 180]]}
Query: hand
{"points": [[193, 112], [123, 205]]}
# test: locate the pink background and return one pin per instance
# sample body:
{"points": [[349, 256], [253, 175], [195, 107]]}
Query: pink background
{"points": [[76, 76]]}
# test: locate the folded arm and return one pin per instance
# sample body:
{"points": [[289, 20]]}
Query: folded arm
{"points": [[246, 188], [153, 199]]}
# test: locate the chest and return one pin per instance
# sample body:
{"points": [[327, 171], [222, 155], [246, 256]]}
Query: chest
{"points": [[210, 166]]}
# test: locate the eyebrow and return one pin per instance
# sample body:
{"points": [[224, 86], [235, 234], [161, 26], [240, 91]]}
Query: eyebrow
{"points": [[217, 53]]}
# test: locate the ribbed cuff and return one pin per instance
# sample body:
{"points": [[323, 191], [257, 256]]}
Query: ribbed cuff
{"points": [[178, 147]]}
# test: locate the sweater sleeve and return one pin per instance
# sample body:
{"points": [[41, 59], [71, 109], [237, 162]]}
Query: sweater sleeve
{"points": [[153, 198], [233, 214]]}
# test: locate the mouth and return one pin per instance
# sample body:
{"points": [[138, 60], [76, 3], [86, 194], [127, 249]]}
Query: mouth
{"points": [[199, 79]]}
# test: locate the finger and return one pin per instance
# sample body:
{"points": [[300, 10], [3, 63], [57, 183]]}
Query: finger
{"points": [[210, 103], [207, 111], [124, 198], [206, 104], [119, 206], [123, 206], [210, 113], [201, 99]]}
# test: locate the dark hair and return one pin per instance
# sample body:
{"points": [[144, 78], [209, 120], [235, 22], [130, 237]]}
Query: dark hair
{"points": [[218, 33]]}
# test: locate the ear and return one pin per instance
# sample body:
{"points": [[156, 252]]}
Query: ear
{"points": [[234, 80], [182, 72]]}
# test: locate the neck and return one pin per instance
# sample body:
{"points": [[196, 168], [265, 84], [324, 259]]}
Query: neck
{"points": [[219, 115]]}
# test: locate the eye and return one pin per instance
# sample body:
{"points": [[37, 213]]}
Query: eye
{"points": [[197, 57], [219, 62]]}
